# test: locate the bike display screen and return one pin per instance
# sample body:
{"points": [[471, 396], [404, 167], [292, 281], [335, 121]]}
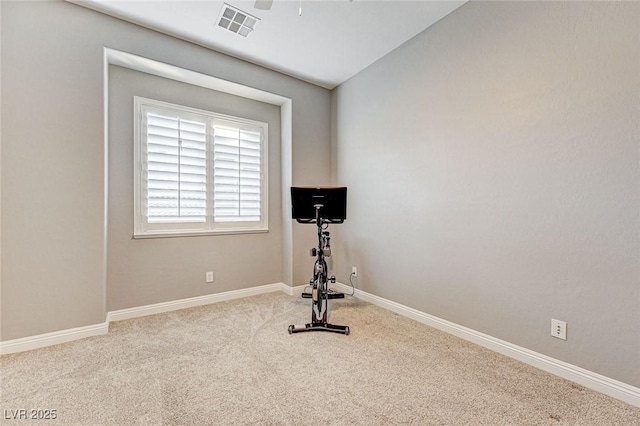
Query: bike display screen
{"points": [[332, 202]]}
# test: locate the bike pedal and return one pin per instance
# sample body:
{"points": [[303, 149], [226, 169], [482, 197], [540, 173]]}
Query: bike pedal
{"points": [[332, 294]]}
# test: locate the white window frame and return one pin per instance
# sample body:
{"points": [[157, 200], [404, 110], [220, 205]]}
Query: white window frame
{"points": [[142, 227]]}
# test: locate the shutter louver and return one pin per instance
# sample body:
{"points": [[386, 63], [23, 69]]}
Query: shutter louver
{"points": [[176, 179], [237, 175]]}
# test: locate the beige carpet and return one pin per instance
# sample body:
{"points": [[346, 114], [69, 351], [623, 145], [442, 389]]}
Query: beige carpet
{"points": [[234, 363]]}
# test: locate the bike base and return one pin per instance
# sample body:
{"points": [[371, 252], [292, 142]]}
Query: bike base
{"points": [[319, 326]]}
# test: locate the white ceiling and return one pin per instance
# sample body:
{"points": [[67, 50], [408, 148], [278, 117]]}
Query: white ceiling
{"points": [[332, 40]]}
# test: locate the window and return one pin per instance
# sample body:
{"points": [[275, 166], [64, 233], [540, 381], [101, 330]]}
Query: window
{"points": [[197, 172]]}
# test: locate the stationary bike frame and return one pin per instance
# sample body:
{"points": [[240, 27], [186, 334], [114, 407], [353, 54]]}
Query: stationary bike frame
{"points": [[320, 285]]}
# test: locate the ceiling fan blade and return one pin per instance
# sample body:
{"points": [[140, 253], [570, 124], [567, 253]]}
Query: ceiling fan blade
{"points": [[263, 4]]}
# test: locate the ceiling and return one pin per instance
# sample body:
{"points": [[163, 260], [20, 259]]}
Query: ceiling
{"points": [[330, 42]]}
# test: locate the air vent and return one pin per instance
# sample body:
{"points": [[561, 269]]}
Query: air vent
{"points": [[237, 21]]}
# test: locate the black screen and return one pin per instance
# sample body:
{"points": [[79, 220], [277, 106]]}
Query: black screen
{"points": [[332, 199]]}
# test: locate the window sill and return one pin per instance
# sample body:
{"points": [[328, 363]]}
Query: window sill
{"points": [[174, 234]]}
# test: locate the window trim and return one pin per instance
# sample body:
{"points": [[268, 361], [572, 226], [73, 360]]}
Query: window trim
{"points": [[142, 228]]}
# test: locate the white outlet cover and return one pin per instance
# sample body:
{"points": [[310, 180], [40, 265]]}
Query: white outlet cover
{"points": [[559, 329]]}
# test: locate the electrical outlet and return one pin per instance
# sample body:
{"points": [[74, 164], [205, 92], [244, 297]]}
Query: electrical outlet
{"points": [[354, 271], [209, 277], [559, 329]]}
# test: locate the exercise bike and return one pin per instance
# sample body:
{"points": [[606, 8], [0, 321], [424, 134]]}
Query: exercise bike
{"points": [[329, 206]]}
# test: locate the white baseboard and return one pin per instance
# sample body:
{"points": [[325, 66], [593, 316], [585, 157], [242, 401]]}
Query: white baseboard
{"points": [[64, 336], [611, 387], [174, 305], [293, 291], [53, 338], [589, 379]]}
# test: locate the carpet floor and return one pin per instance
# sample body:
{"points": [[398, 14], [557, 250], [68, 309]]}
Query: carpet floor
{"points": [[235, 363]]}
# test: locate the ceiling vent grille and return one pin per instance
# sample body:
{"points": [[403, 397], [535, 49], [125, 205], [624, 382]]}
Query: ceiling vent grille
{"points": [[237, 21]]}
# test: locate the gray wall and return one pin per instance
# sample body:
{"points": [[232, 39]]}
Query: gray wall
{"points": [[493, 169], [53, 222]]}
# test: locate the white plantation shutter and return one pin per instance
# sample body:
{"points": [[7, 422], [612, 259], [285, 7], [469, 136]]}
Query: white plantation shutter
{"points": [[237, 173], [197, 172], [176, 169]]}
